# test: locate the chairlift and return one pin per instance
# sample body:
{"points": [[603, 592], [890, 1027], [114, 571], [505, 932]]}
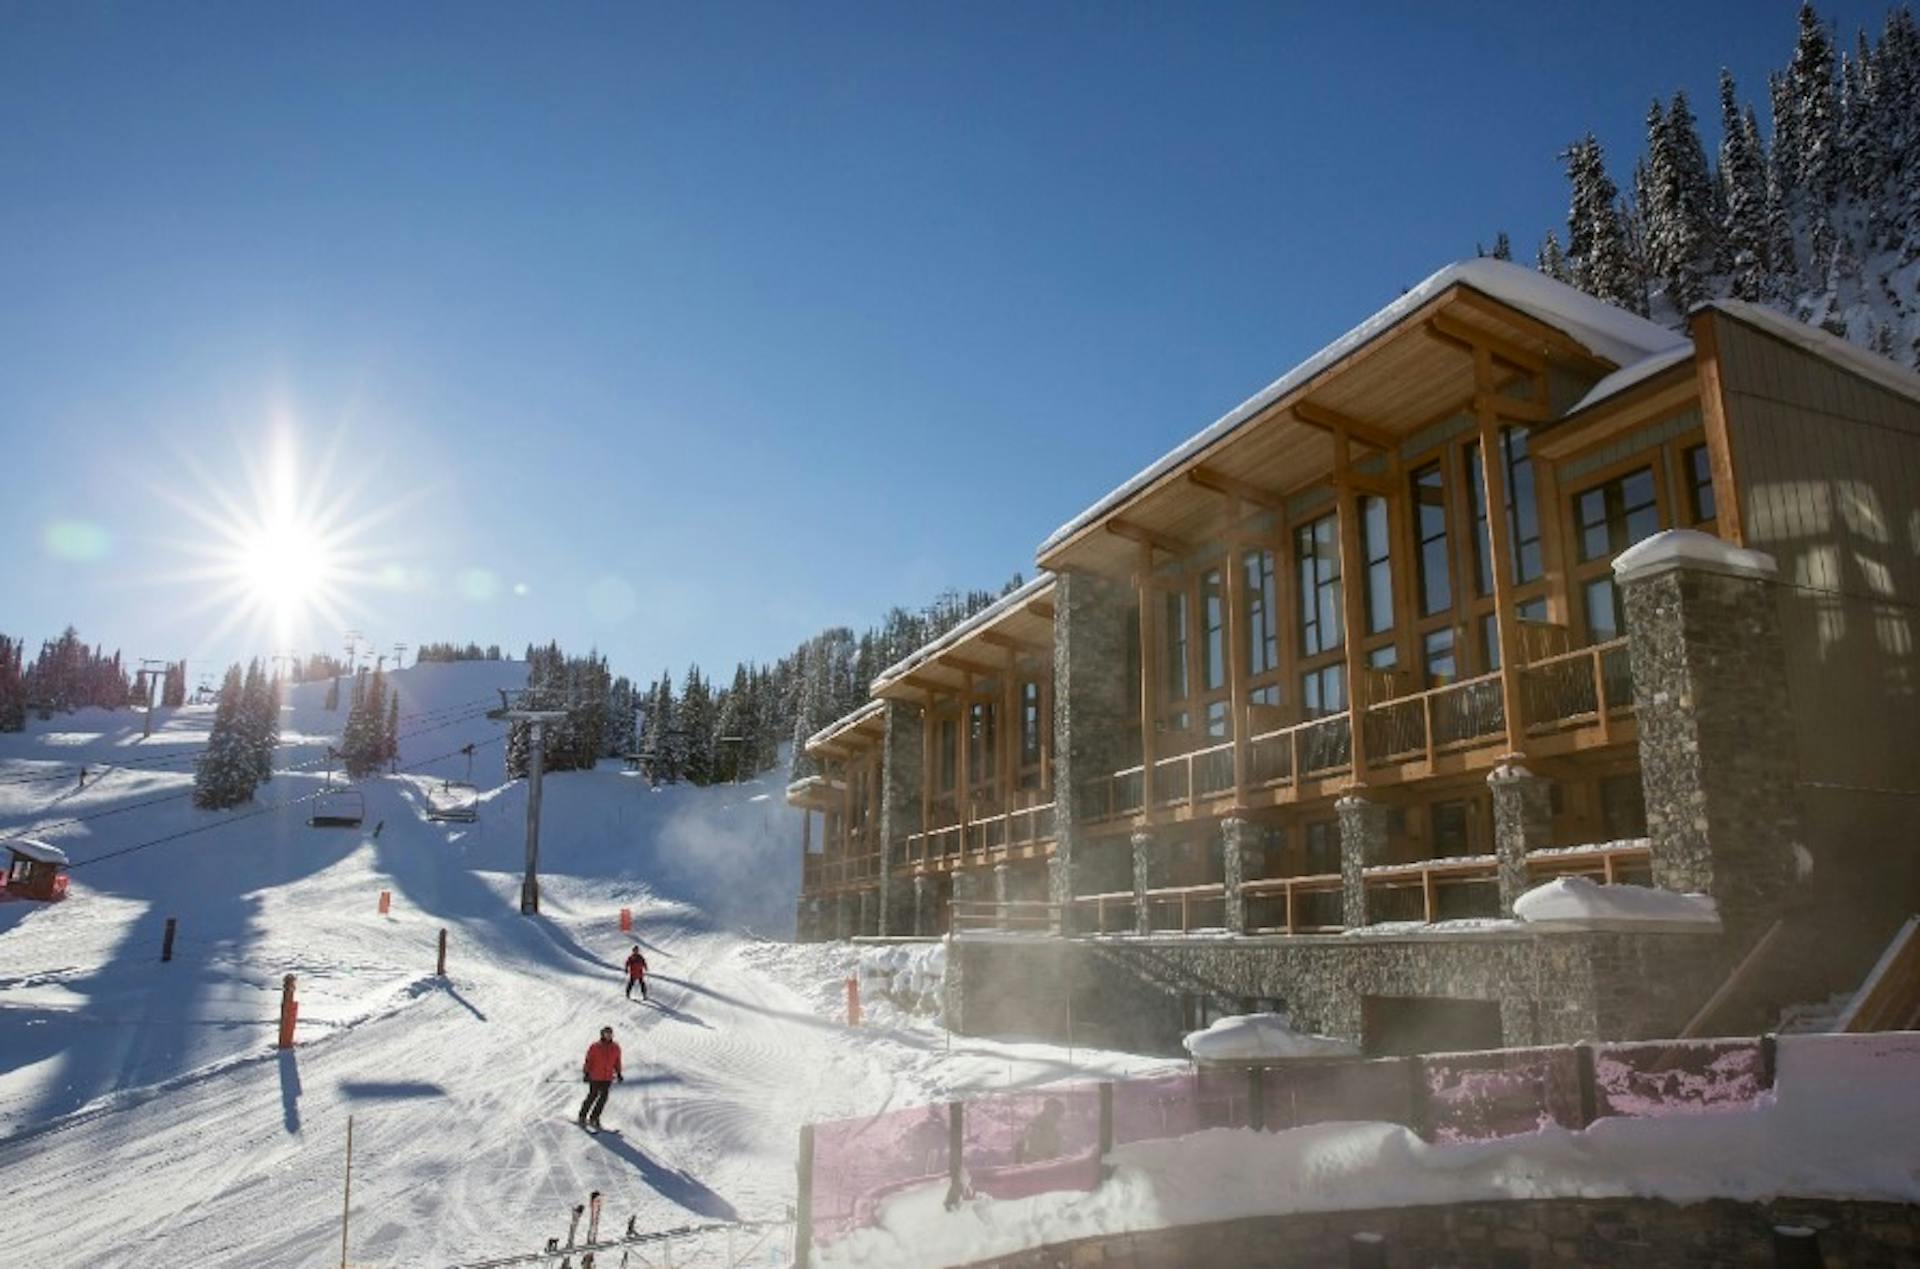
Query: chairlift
{"points": [[455, 801], [341, 807]]}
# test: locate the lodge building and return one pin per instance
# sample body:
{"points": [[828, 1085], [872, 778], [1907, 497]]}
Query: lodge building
{"points": [[1295, 715]]}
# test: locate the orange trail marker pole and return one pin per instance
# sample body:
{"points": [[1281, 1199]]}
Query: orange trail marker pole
{"points": [[626, 918], [441, 969], [289, 1011], [386, 901], [853, 1001]]}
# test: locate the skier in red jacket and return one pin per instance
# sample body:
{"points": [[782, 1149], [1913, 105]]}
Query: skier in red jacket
{"points": [[636, 972], [600, 1070]]}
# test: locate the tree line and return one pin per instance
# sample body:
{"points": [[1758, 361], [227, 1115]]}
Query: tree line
{"points": [[67, 675], [1818, 217]]}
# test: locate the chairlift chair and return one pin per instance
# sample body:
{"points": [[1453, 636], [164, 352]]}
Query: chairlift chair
{"points": [[456, 801], [341, 807]]}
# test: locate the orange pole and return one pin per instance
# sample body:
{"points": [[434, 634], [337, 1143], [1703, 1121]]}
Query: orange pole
{"points": [[386, 901], [853, 1001], [289, 1010], [626, 918]]}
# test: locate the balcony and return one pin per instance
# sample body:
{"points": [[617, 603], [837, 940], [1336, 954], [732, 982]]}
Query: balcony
{"points": [[987, 839], [1433, 890], [820, 873], [1294, 905]]}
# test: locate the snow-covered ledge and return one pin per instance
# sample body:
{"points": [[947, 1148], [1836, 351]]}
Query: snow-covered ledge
{"points": [[1690, 548], [1575, 903]]}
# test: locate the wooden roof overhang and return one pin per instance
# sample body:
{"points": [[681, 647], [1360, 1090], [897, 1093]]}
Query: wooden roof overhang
{"points": [[850, 737], [815, 793], [1408, 375], [1017, 630]]}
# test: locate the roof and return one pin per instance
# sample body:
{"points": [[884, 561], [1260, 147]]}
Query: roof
{"points": [[1889, 374], [1617, 336], [998, 609], [33, 848], [1631, 376], [840, 726]]}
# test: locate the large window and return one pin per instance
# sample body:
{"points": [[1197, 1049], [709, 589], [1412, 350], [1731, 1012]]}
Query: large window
{"points": [[1430, 501], [1322, 848], [1609, 518], [1213, 633], [1317, 548], [1437, 652], [1699, 473], [980, 743], [1322, 691], [1173, 673], [1029, 724], [1523, 511], [1263, 630], [949, 753], [1374, 546]]}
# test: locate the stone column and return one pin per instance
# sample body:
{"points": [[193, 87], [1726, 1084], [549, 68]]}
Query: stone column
{"points": [[967, 885], [1522, 821], [1149, 867], [922, 906], [842, 915], [900, 775], [1238, 841], [1092, 705], [1710, 695], [1363, 841], [1002, 892]]}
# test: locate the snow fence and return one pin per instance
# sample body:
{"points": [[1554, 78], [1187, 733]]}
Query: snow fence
{"points": [[1016, 1144]]}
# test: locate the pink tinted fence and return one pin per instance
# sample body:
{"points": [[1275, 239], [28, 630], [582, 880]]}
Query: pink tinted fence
{"points": [[1017, 1144]]}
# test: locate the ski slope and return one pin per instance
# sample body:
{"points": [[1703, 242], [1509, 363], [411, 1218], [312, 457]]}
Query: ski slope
{"points": [[146, 1119]]}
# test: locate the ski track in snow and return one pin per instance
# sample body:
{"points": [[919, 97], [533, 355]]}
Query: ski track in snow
{"points": [[145, 1118]]}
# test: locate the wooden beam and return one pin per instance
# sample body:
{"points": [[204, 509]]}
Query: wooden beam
{"points": [[1515, 408], [1454, 331], [1041, 608], [1234, 487], [1728, 514], [1140, 533], [1012, 643], [1333, 421], [967, 664], [1549, 336]]}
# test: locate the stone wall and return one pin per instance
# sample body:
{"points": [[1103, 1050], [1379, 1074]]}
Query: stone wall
{"points": [[1093, 704], [1623, 1233], [1552, 988]]}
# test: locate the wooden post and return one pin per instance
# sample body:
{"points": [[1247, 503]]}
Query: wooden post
{"points": [[853, 1000], [1233, 595], [1600, 698], [956, 1137], [1493, 482], [1150, 651], [441, 967], [166, 940], [289, 1011], [963, 765], [1426, 894], [346, 1198], [1353, 617], [803, 1204], [386, 901], [1106, 1128]]}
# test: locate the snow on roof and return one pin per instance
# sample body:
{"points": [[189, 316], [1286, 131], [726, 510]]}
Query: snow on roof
{"points": [[33, 848], [985, 617], [1629, 376], [1252, 1036], [845, 723], [1570, 902], [1690, 546], [1612, 333], [1890, 375]]}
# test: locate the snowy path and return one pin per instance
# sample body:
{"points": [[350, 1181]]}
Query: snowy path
{"points": [[144, 1118]]}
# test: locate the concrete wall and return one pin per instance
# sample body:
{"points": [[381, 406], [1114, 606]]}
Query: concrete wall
{"points": [[1612, 1233]]}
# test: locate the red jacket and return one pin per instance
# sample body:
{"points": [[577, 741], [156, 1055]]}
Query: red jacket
{"points": [[603, 1060], [636, 965]]}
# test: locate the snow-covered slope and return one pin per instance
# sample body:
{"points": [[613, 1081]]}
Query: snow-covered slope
{"points": [[145, 1118]]}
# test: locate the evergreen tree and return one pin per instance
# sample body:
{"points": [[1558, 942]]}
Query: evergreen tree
{"points": [[1551, 260], [391, 740], [1678, 205], [224, 775], [1743, 178], [1597, 249], [696, 728], [13, 688], [363, 744]]}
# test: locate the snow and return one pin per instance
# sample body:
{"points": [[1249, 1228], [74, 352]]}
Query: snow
{"points": [[845, 722], [1840, 1123], [1673, 547], [1252, 1036], [1628, 376], [142, 1104], [979, 621], [1579, 903], [1612, 333], [37, 850], [1868, 365], [908, 977]]}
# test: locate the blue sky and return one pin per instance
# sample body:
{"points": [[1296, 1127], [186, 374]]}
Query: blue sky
{"points": [[687, 330]]}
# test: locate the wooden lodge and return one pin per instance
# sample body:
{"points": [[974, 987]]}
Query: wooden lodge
{"points": [[35, 870]]}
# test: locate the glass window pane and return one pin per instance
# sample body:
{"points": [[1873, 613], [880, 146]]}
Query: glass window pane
{"points": [[1602, 607], [1174, 673], [1376, 546], [1213, 633], [1700, 484], [1523, 520], [1590, 510], [1429, 494], [1437, 648]]}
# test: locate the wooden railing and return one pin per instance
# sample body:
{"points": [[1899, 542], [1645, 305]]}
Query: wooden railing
{"points": [[1588, 685], [1304, 905], [1433, 890], [1035, 915], [1611, 863], [827, 871], [1193, 905], [1439, 719], [1114, 908], [982, 837]]}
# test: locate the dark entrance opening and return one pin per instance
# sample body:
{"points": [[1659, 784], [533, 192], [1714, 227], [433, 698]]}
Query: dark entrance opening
{"points": [[1396, 1026]]}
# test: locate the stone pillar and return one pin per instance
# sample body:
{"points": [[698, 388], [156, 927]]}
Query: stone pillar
{"points": [[922, 906], [1710, 695], [1238, 841], [1092, 705], [900, 775], [1002, 892], [1149, 867], [1363, 841], [842, 915], [1522, 821]]}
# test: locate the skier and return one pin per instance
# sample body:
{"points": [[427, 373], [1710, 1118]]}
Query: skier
{"points": [[600, 1070], [636, 972]]}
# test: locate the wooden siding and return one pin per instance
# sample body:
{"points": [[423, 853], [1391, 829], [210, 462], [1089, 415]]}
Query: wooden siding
{"points": [[1828, 469]]}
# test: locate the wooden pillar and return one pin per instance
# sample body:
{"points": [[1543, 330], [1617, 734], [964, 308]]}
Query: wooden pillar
{"points": [[1006, 734], [1150, 651], [1402, 533], [928, 734], [1493, 483], [1046, 730], [1233, 595], [1352, 613], [963, 765]]}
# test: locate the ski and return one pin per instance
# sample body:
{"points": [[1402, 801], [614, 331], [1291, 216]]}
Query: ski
{"points": [[593, 1227]]}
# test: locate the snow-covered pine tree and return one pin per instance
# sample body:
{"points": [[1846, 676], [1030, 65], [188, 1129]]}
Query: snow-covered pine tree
{"points": [[1597, 250], [363, 745], [1743, 180], [1551, 260], [390, 739], [1678, 205], [223, 776], [696, 728], [13, 688]]}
